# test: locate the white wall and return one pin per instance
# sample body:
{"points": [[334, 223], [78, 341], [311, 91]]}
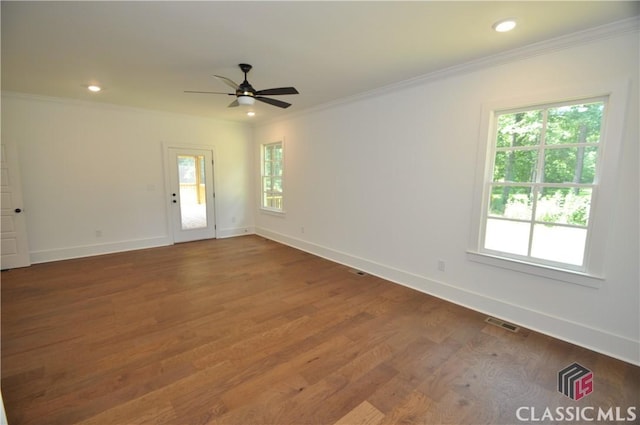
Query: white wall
{"points": [[88, 166], [385, 184]]}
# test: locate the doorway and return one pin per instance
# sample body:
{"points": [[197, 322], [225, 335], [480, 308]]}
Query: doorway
{"points": [[15, 249], [191, 194]]}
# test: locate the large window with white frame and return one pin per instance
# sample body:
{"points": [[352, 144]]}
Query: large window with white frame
{"points": [[272, 166], [546, 181], [542, 182]]}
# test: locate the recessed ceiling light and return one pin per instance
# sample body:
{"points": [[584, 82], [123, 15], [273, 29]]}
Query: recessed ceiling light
{"points": [[504, 25], [94, 88], [251, 113]]}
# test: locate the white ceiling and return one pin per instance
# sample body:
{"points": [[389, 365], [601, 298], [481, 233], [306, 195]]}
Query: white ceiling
{"points": [[145, 54]]}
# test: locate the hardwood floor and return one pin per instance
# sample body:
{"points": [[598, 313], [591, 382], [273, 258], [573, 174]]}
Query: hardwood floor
{"points": [[248, 331]]}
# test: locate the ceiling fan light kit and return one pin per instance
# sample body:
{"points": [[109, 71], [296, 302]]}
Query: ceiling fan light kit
{"points": [[245, 93], [246, 100]]}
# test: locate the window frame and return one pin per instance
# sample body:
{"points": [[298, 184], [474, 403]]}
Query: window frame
{"points": [[538, 184], [591, 273], [263, 175]]}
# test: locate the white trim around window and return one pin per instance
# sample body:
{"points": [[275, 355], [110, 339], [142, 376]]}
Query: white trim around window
{"points": [[272, 177], [591, 272]]}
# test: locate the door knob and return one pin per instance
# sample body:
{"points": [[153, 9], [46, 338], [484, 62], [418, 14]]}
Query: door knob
{"points": [[17, 210]]}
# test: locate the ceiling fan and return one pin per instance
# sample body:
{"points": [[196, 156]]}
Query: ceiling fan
{"points": [[247, 95]]}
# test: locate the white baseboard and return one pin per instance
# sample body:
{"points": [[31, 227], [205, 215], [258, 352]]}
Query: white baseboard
{"points": [[612, 345], [46, 256], [97, 249], [234, 231]]}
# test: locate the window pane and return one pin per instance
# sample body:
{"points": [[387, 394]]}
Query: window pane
{"points": [[570, 165], [564, 206], [277, 184], [277, 154], [268, 168], [511, 202], [560, 244], [267, 184], [515, 166], [268, 153], [519, 129], [200, 168], [574, 124], [272, 200], [507, 236], [187, 169], [277, 168]]}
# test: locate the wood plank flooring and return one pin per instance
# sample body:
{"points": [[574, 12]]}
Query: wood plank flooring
{"points": [[248, 331]]}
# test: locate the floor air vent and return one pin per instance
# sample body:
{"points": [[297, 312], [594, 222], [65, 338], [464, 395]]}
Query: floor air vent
{"points": [[502, 324], [358, 272]]}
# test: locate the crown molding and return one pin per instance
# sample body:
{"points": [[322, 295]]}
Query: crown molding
{"points": [[603, 32], [6, 94]]}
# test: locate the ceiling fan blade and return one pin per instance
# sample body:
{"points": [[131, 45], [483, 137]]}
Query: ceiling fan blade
{"points": [[227, 81], [274, 102], [209, 92], [277, 91], [233, 104]]}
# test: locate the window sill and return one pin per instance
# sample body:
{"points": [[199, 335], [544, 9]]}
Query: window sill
{"points": [[277, 213], [570, 276]]}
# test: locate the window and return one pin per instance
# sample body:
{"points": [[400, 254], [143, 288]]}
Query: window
{"points": [[543, 181], [546, 181], [272, 167]]}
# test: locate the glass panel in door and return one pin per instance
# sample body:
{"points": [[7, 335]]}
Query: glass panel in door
{"points": [[193, 200], [191, 195]]}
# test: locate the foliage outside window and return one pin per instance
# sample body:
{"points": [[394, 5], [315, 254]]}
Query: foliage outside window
{"points": [[272, 166], [544, 177]]}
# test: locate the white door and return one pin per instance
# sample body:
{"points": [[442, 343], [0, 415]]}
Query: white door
{"points": [[13, 228], [192, 195]]}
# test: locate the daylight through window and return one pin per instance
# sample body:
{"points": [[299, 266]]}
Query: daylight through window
{"points": [[272, 165], [543, 179]]}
